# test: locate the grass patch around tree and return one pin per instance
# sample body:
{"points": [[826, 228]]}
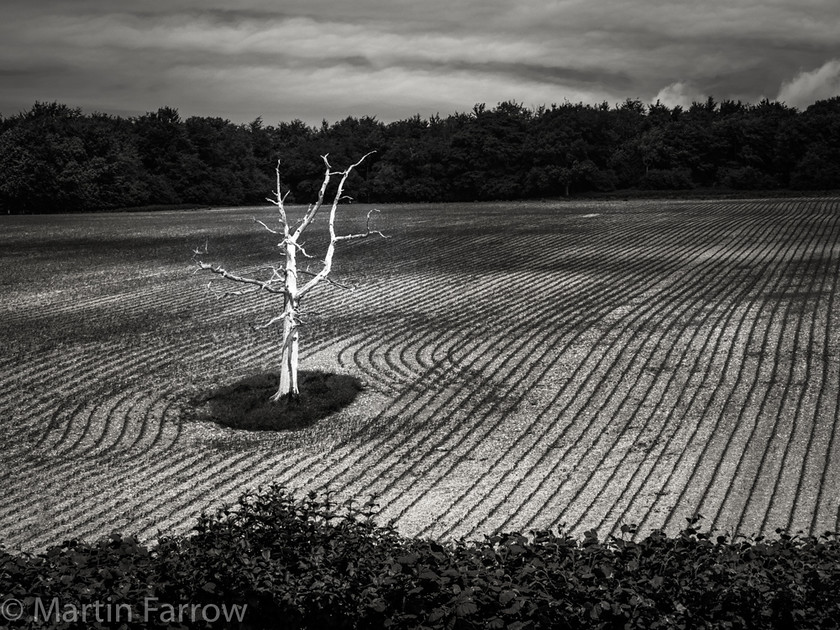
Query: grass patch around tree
{"points": [[246, 404]]}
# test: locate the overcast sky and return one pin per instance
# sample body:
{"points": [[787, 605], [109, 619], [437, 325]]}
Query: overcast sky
{"points": [[328, 59]]}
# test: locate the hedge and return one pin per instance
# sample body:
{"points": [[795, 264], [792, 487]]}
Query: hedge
{"points": [[291, 561]]}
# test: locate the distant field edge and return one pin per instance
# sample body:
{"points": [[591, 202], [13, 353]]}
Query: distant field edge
{"points": [[693, 194]]}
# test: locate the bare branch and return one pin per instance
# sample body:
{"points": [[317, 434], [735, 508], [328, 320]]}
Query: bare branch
{"points": [[220, 271], [366, 233], [314, 208], [281, 199], [325, 271], [336, 283], [265, 226], [340, 285], [299, 247], [268, 324], [223, 294]]}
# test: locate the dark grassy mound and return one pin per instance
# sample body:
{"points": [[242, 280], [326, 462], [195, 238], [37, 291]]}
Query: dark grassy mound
{"points": [[246, 404]]}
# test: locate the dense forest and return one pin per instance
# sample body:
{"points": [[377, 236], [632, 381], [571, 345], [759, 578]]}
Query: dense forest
{"points": [[54, 158]]}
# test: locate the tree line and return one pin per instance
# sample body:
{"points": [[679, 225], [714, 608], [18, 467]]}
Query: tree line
{"points": [[54, 158]]}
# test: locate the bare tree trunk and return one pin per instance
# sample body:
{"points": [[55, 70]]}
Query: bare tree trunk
{"points": [[289, 344], [288, 357]]}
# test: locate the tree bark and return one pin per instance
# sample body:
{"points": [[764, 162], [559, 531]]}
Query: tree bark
{"points": [[289, 349]]}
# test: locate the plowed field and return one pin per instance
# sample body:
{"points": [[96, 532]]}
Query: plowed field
{"points": [[526, 365]]}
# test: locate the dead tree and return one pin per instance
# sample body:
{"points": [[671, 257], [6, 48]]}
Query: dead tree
{"points": [[285, 279]]}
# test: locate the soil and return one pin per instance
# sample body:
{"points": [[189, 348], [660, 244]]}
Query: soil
{"points": [[526, 365]]}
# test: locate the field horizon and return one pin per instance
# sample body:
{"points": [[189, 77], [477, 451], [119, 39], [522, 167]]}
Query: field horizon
{"points": [[526, 365]]}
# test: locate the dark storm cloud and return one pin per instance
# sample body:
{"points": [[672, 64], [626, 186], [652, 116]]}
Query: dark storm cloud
{"points": [[314, 59]]}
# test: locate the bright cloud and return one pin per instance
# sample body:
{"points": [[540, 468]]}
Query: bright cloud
{"points": [[807, 87], [679, 94]]}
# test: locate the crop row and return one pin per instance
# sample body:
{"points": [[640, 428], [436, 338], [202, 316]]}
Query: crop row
{"points": [[526, 366]]}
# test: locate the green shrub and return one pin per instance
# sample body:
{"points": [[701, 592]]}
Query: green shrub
{"points": [[307, 562]]}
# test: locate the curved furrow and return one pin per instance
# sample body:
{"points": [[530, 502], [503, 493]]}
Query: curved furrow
{"points": [[112, 421], [696, 396], [366, 353], [765, 393], [711, 434], [224, 486], [373, 354], [469, 326], [85, 431], [411, 401], [155, 459], [105, 397], [725, 306], [72, 466], [440, 296], [440, 339], [443, 301], [53, 385], [104, 471], [721, 398], [826, 482], [114, 367], [381, 346], [121, 423], [181, 476], [70, 462], [770, 465], [527, 327], [806, 422], [665, 352], [611, 349], [487, 470], [155, 432], [422, 390], [203, 481]]}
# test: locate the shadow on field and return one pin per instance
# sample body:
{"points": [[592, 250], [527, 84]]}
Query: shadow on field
{"points": [[246, 404]]}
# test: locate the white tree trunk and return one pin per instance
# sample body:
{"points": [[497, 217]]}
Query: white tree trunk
{"points": [[288, 359], [289, 344]]}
